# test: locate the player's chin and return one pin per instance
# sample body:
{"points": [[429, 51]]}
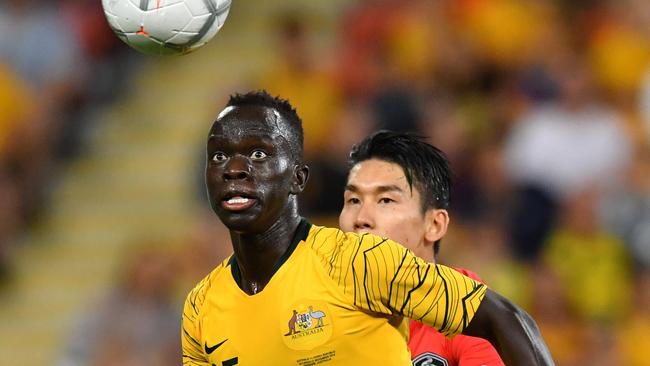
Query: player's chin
{"points": [[240, 221]]}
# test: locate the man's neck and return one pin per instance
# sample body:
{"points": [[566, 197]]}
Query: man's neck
{"points": [[258, 254]]}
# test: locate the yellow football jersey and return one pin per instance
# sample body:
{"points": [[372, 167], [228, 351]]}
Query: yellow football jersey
{"points": [[335, 299]]}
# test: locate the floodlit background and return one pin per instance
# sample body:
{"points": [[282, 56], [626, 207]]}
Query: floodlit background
{"points": [[542, 106]]}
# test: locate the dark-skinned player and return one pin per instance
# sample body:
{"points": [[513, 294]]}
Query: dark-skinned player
{"points": [[294, 293]]}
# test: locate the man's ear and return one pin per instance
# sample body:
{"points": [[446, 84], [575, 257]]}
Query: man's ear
{"points": [[436, 224], [300, 177]]}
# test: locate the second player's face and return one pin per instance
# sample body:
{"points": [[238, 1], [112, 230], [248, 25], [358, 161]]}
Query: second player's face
{"points": [[379, 200], [249, 168]]}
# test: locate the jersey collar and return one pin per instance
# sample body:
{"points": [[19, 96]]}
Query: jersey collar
{"points": [[302, 231]]}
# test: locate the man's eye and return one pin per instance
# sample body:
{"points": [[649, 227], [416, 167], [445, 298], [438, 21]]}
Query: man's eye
{"points": [[353, 201], [258, 154], [219, 156], [385, 200]]}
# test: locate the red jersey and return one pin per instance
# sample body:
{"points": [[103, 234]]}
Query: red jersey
{"points": [[430, 348]]}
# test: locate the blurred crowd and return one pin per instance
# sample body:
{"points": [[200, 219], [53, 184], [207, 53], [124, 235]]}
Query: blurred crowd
{"points": [[138, 323], [543, 110], [58, 63], [542, 106]]}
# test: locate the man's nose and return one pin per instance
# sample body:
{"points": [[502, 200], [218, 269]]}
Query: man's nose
{"points": [[365, 218], [238, 168]]}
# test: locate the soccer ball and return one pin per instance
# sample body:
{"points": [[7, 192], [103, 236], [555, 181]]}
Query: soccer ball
{"points": [[166, 27]]}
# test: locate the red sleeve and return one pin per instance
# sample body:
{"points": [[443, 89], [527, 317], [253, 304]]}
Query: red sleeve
{"points": [[472, 351]]}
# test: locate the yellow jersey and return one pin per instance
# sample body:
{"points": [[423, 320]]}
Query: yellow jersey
{"points": [[335, 299]]}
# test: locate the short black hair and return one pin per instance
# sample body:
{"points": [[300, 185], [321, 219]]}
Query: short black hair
{"points": [[287, 111], [425, 166]]}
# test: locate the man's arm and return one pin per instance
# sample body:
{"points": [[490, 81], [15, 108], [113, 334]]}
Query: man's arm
{"points": [[510, 330], [191, 346], [384, 277]]}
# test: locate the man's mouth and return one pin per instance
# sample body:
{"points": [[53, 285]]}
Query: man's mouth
{"points": [[238, 203]]}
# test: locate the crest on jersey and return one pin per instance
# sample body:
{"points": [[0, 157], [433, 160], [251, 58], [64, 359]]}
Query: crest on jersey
{"points": [[307, 325], [429, 359]]}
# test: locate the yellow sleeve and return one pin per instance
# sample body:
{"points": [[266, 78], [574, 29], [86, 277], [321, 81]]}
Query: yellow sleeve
{"points": [[193, 354], [384, 277]]}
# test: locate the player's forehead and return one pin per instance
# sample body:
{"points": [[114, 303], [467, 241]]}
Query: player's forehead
{"points": [[249, 122], [373, 174]]}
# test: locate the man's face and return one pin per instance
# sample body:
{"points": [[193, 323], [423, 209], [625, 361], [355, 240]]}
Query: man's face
{"points": [[249, 171], [379, 200]]}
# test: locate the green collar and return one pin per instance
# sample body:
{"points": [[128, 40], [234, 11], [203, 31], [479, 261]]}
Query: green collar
{"points": [[301, 234]]}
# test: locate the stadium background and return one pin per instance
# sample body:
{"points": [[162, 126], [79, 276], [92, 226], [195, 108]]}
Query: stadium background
{"points": [[542, 106]]}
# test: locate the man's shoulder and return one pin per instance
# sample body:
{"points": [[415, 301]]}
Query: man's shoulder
{"points": [[328, 239], [320, 237], [469, 274], [197, 295]]}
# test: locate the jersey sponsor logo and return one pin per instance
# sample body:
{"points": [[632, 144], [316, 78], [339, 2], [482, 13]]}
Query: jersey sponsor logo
{"points": [[308, 324], [209, 350], [429, 359]]}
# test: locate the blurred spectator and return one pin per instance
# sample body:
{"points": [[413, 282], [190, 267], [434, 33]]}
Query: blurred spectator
{"points": [[65, 51], [591, 262], [599, 345], [17, 116], [644, 103], [10, 221], [323, 196], [505, 31], [633, 333], [36, 42], [568, 145], [561, 148], [303, 79], [533, 217], [207, 245], [39, 46], [626, 210], [482, 247], [484, 192], [560, 324], [15, 107], [411, 45], [395, 104], [87, 22], [138, 323], [619, 46], [47, 86], [364, 31], [445, 128], [105, 70]]}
